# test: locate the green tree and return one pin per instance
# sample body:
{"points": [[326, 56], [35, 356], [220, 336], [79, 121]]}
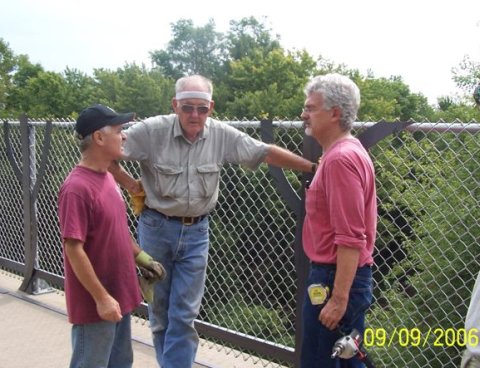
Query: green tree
{"points": [[452, 109], [248, 36], [146, 92], [268, 85], [457, 111], [467, 75], [24, 70], [108, 86], [192, 50], [390, 99], [7, 67], [445, 102], [44, 96], [245, 38], [79, 89], [134, 88]]}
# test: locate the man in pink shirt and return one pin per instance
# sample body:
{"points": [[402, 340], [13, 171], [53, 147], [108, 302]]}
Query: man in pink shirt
{"points": [[340, 222]]}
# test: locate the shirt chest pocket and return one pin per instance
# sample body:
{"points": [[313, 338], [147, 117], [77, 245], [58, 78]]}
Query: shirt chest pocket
{"points": [[168, 180], [208, 178], [315, 200]]}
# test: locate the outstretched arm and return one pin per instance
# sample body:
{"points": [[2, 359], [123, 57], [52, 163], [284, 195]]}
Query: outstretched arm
{"points": [[282, 157], [124, 178]]}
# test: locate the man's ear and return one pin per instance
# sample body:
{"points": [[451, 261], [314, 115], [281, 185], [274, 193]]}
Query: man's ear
{"points": [[174, 104], [97, 137], [336, 113]]}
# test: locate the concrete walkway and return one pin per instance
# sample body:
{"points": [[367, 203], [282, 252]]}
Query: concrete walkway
{"points": [[34, 332]]}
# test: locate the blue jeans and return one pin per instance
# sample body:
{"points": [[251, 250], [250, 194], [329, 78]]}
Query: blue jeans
{"points": [[102, 344], [183, 251], [318, 341]]}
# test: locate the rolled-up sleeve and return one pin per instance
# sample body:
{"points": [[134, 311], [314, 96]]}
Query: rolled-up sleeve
{"points": [[346, 204]]}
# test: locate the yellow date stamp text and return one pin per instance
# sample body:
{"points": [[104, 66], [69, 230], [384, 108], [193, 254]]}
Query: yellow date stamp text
{"points": [[416, 337]]}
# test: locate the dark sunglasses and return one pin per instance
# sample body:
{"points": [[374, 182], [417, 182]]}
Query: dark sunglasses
{"points": [[201, 110]]}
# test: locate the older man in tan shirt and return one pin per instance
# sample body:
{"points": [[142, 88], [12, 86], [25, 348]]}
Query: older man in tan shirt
{"points": [[181, 157]]}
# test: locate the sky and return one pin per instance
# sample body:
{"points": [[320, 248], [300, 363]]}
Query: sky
{"points": [[419, 40]]}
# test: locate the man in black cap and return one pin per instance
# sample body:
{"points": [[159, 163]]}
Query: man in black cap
{"points": [[101, 286]]}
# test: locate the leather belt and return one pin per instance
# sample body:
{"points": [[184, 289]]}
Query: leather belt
{"points": [[324, 265], [185, 220]]}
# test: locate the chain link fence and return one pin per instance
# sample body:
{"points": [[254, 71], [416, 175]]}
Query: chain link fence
{"points": [[427, 251]]}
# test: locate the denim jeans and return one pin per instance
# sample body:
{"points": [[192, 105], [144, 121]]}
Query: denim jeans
{"points": [[183, 251], [102, 344], [318, 341]]}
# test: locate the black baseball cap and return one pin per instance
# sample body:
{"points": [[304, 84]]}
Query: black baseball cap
{"points": [[98, 116]]}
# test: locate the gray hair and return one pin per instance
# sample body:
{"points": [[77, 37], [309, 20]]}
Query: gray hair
{"points": [[86, 142], [187, 81], [337, 91]]}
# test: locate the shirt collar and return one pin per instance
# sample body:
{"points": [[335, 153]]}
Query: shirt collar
{"points": [[178, 132]]}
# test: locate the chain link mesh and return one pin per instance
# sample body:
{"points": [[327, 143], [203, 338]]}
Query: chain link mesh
{"points": [[428, 184], [11, 203]]}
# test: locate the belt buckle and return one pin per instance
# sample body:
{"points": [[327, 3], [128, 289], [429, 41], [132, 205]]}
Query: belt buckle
{"points": [[188, 221]]}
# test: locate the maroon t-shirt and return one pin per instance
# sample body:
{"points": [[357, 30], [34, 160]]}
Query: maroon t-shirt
{"points": [[91, 209]]}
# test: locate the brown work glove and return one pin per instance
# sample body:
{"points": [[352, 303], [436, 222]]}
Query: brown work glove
{"points": [[137, 200], [151, 271]]}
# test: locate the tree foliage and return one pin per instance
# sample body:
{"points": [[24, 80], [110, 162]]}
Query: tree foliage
{"points": [[43, 96], [254, 77], [7, 65], [433, 223], [192, 50], [248, 36], [268, 85], [467, 74], [134, 88], [390, 99], [79, 89]]}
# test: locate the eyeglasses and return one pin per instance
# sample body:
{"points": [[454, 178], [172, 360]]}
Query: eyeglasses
{"points": [[189, 109], [309, 110]]}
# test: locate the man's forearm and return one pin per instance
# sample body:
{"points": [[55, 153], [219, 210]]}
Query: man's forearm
{"points": [[347, 264], [281, 157], [84, 271], [124, 178], [136, 248], [347, 261]]}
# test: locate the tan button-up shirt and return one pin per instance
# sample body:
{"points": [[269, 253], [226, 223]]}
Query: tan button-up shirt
{"points": [[181, 178]]}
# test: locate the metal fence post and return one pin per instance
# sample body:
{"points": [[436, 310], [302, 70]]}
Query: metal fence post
{"points": [[30, 186], [28, 209]]}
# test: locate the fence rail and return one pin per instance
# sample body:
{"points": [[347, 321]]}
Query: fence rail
{"points": [[428, 180]]}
